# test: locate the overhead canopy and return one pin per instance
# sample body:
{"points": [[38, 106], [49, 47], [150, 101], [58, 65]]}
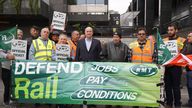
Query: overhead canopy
{"points": [[127, 18]]}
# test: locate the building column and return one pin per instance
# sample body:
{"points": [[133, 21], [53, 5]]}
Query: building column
{"points": [[141, 7], [149, 14], [165, 14]]}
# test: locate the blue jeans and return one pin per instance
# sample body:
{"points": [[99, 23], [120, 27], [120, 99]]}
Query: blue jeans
{"points": [[189, 86]]}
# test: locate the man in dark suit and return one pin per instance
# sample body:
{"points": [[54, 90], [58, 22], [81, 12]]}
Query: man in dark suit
{"points": [[88, 49]]}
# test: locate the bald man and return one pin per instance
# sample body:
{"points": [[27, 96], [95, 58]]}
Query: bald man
{"points": [[42, 48], [73, 43], [88, 49]]}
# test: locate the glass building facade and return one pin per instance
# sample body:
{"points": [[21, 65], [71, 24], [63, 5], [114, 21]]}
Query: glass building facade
{"points": [[88, 7], [81, 2]]}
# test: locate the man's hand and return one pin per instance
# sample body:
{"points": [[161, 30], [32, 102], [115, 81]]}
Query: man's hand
{"points": [[10, 57]]}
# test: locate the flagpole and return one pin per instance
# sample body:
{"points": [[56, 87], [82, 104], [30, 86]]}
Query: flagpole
{"points": [[16, 31], [16, 25], [157, 39]]}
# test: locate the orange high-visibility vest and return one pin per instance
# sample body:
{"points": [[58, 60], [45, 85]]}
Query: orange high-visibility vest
{"points": [[180, 42], [145, 55], [73, 48]]}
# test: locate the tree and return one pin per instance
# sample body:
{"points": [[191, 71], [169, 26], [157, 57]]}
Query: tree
{"points": [[34, 6], [1, 5], [17, 5], [78, 27]]}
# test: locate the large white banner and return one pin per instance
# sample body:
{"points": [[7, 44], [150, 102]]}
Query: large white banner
{"points": [[19, 49], [58, 21], [62, 52], [172, 46]]}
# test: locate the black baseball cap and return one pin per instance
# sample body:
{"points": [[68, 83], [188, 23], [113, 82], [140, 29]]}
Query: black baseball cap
{"points": [[117, 33], [55, 33]]}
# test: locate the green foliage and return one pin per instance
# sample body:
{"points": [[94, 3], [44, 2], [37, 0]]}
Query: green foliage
{"points": [[91, 24], [17, 5], [80, 27], [1, 5], [34, 6]]}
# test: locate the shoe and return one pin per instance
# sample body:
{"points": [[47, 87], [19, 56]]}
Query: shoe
{"points": [[187, 105], [5, 103], [168, 106]]}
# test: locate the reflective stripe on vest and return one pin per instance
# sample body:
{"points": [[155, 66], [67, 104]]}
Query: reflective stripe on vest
{"points": [[145, 55], [43, 52]]}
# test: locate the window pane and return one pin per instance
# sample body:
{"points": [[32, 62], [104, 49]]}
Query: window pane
{"points": [[81, 2], [90, 1], [100, 1]]}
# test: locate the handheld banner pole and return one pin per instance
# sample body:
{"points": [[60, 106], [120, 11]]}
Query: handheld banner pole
{"points": [[84, 104], [157, 39]]}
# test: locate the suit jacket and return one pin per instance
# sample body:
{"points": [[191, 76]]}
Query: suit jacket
{"points": [[82, 54]]}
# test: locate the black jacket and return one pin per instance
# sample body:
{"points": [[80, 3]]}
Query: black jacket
{"points": [[29, 42], [82, 54], [187, 49], [115, 53]]}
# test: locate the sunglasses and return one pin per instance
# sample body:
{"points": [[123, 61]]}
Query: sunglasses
{"points": [[141, 34]]}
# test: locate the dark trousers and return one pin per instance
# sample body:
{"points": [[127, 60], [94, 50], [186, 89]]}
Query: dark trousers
{"points": [[6, 77], [172, 79], [189, 86]]}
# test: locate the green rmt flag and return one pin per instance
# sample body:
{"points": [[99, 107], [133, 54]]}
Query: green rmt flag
{"points": [[163, 52], [6, 38]]}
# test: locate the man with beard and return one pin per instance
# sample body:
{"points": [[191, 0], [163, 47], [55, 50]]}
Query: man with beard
{"points": [[34, 33], [172, 77]]}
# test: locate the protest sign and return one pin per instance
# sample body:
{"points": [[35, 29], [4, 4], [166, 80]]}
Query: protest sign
{"points": [[19, 49], [58, 21], [172, 46], [62, 52]]}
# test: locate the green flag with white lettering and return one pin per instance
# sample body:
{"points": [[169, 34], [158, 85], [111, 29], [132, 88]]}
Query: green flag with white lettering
{"points": [[163, 52], [6, 38]]}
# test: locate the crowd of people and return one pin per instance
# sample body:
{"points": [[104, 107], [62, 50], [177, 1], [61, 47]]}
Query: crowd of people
{"points": [[86, 48]]}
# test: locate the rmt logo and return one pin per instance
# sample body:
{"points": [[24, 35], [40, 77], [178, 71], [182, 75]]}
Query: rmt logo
{"points": [[63, 48], [19, 44], [59, 15]]}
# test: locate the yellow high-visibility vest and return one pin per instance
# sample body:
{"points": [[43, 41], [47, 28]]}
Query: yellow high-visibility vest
{"points": [[43, 52]]}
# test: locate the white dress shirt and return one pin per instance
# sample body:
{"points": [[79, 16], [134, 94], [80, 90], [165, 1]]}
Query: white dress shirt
{"points": [[88, 43]]}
